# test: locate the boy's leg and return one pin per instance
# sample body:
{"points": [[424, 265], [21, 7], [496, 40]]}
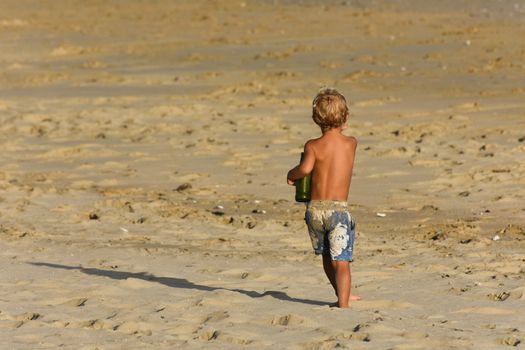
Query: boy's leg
{"points": [[329, 270], [329, 266], [341, 241], [342, 277], [343, 281]]}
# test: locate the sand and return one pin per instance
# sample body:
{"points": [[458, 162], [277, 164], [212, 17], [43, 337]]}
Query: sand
{"points": [[143, 201]]}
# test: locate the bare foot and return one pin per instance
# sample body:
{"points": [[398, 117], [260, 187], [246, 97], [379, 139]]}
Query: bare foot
{"points": [[354, 297]]}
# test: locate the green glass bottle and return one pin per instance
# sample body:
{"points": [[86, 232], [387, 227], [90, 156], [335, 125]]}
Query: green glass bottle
{"points": [[302, 187]]}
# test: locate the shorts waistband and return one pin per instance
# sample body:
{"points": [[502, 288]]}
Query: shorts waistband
{"points": [[327, 205]]}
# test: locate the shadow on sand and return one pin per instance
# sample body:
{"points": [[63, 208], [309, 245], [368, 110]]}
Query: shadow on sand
{"points": [[177, 282]]}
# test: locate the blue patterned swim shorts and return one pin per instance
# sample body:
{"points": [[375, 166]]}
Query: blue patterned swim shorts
{"points": [[331, 228]]}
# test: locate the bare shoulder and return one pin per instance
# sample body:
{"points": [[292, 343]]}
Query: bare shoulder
{"points": [[310, 144], [352, 141]]}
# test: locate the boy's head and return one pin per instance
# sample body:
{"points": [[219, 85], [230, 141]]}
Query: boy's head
{"points": [[329, 109]]}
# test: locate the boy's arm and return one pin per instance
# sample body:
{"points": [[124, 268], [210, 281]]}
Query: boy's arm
{"points": [[305, 167], [354, 149]]}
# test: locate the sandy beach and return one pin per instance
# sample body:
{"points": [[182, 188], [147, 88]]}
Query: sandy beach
{"points": [[145, 145]]}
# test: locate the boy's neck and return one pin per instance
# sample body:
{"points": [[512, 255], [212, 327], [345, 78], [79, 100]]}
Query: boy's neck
{"points": [[338, 130]]}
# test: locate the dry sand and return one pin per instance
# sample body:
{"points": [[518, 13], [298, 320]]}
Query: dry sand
{"points": [[109, 107]]}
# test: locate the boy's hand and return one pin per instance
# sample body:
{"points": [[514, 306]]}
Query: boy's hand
{"points": [[290, 181]]}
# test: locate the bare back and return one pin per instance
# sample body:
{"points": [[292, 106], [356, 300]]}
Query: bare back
{"points": [[334, 162]]}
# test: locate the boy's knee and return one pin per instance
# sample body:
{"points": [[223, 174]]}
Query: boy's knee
{"points": [[341, 265]]}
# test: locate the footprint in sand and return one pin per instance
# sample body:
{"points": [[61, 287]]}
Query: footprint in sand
{"points": [[20, 320], [28, 316], [93, 324], [215, 316], [355, 335], [286, 320], [76, 302], [134, 328], [209, 334], [487, 311], [235, 339], [510, 341]]}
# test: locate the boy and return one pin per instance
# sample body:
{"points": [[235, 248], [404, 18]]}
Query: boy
{"points": [[330, 159]]}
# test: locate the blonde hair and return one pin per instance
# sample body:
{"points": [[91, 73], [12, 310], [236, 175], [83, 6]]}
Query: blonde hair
{"points": [[329, 109]]}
